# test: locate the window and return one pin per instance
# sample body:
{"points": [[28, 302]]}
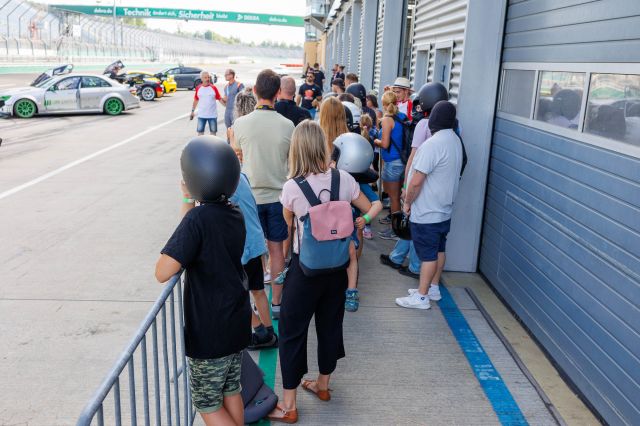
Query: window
{"points": [[422, 64], [92, 82], [517, 92], [70, 83], [559, 98], [442, 65], [613, 107]]}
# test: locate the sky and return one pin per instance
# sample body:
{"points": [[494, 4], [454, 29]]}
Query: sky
{"points": [[245, 32]]}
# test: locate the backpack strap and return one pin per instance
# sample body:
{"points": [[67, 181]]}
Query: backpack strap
{"points": [[335, 185], [307, 191]]}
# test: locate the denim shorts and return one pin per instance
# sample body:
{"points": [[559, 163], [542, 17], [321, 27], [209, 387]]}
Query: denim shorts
{"points": [[272, 221], [392, 171], [202, 123], [429, 239]]}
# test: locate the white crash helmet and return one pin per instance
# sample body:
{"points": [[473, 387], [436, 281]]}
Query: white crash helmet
{"points": [[352, 153]]}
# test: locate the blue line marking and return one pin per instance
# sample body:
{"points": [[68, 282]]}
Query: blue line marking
{"points": [[492, 384]]}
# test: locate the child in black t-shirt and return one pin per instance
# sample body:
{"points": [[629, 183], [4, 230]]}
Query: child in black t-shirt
{"points": [[208, 243]]}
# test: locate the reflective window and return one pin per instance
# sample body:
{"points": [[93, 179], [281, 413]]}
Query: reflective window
{"points": [[68, 83], [517, 91], [91, 82], [560, 98], [613, 107]]}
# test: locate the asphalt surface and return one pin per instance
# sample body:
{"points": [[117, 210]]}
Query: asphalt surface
{"points": [[86, 204]]}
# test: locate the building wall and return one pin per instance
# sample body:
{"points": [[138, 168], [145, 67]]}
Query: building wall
{"points": [[438, 23], [561, 236]]}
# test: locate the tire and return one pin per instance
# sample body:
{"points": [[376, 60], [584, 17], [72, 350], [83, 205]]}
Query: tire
{"points": [[113, 106], [24, 108], [147, 93], [196, 83]]}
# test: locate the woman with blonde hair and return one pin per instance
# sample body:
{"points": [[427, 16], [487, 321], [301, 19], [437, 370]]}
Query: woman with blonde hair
{"points": [[333, 120], [244, 104], [390, 142], [304, 297]]}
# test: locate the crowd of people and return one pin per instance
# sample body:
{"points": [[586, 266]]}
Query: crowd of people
{"points": [[287, 199]]}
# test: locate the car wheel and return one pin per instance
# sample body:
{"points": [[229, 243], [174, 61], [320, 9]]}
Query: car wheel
{"points": [[197, 83], [113, 106], [147, 93], [24, 108]]}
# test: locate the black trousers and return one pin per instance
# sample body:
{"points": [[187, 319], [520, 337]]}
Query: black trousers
{"points": [[302, 298]]}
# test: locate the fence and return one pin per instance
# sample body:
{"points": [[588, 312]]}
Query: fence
{"points": [[167, 393], [31, 32]]}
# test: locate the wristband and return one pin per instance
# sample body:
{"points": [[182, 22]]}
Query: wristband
{"points": [[366, 218], [404, 186], [188, 200]]}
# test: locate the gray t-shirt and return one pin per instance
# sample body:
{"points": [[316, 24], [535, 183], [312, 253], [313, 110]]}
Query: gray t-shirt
{"points": [[441, 161], [230, 91]]}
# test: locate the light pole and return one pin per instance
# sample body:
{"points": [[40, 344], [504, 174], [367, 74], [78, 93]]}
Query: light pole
{"points": [[115, 42]]}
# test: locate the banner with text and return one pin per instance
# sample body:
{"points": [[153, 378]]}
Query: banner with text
{"points": [[186, 14]]}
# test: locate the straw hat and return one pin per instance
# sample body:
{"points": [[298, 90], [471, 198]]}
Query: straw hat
{"points": [[403, 83]]}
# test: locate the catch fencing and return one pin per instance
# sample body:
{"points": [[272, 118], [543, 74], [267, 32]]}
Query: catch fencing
{"points": [[149, 382], [34, 33]]}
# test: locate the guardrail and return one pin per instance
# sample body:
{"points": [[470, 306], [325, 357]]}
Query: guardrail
{"points": [[166, 394]]}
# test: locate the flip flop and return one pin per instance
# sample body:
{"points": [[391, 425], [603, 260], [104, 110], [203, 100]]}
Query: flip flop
{"points": [[323, 395]]}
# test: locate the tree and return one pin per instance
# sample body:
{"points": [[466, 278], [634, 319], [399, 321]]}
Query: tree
{"points": [[208, 35]]}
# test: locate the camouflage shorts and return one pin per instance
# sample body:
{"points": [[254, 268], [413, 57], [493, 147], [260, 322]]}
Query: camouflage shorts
{"points": [[213, 379]]}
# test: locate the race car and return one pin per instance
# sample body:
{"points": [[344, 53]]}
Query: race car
{"points": [[66, 92], [168, 83], [145, 89]]}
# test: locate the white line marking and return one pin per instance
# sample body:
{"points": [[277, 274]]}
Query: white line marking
{"points": [[68, 166]]}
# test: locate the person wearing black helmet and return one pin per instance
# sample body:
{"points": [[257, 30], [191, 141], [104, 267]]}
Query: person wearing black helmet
{"points": [[427, 97], [209, 244], [431, 190], [359, 92]]}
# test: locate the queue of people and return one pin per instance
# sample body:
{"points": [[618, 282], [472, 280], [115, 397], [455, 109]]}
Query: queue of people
{"points": [[288, 200]]}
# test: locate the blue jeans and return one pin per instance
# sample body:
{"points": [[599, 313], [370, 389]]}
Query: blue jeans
{"points": [[400, 252], [312, 111]]}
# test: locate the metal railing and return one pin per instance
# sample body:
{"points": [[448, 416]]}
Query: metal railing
{"points": [[162, 396]]}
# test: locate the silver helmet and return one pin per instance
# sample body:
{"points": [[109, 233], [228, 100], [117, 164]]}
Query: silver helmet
{"points": [[352, 153]]}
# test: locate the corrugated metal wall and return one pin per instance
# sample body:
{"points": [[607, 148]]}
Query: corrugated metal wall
{"points": [[561, 239], [361, 35], [440, 21], [377, 67]]}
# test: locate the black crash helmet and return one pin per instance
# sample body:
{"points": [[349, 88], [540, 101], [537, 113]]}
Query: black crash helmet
{"points": [[210, 169], [400, 225], [358, 91], [430, 94]]}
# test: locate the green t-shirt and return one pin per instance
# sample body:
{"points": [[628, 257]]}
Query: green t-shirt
{"points": [[264, 136]]}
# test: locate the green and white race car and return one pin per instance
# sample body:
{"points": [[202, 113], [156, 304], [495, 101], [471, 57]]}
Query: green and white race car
{"points": [[59, 91]]}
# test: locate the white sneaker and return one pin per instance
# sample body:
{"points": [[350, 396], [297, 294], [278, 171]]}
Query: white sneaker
{"points": [[433, 293], [267, 278], [415, 301]]}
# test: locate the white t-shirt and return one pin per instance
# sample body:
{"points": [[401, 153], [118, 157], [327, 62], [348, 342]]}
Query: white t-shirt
{"points": [[207, 97], [441, 161], [421, 133], [294, 200]]}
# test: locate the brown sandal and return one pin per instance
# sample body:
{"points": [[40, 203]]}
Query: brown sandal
{"points": [[288, 417], [323, 395]]}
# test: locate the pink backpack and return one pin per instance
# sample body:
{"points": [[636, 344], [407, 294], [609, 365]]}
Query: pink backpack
{"points": [[327, 230]]}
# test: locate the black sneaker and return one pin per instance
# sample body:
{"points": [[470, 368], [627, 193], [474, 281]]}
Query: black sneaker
{"points": [[407, 273], [385, 220], [386, 260], [271, 341]]}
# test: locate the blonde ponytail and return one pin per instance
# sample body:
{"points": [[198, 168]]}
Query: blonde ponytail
{"points": [[389, 101]]}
